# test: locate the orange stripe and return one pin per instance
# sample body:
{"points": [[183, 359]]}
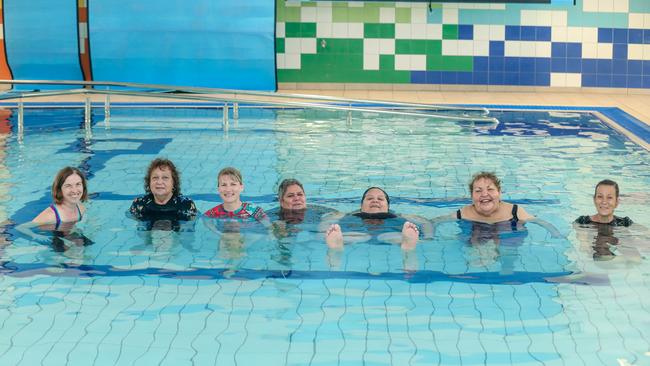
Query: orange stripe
{"points": [[5, 73]]}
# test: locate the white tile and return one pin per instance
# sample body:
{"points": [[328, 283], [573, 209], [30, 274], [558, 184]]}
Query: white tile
{"points": [[559, 18], [621, 6], [646, 52], [418, 16], [465, 47], [402, 31], [646, 21], [558, 79], [635, 52], [352, 4], [481, 48], [528, 49], [589, 35], [590, 5], [497, 32], [589, 50], [450, 6], [324, 4], [324, 14], [402, 62], [339, 30], [574, 80], [575, 34], [371, 46], [434, 31], [606, 6], [542, 49], [418, 62], [293, 3], [280, 30], [512, 48], [324, 30], [449, 47], [420, 5], [605, 50], [308, 45], [449, 16], [292, 61], [528, 17], [481, 32], [370, 61], [355, 30], [308, 14], [402, 5], [559, 34], [386, 46], [418, 31], [279, 60], [386, 15], [635, 20], [292, 45]]}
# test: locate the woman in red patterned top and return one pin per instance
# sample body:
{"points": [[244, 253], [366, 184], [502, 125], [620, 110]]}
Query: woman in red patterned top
{"points": [[230, 185]]}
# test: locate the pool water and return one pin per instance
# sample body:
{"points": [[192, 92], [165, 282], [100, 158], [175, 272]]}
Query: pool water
{"points": [[467, 296]]}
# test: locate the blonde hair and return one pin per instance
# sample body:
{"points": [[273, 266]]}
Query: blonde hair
{"points": [[231, 172]]}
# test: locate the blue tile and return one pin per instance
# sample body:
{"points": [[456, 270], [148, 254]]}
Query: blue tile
{"points": [[635, 36], [604, 67], [511, 64], [528, 33], [449, 77], [589, 80], [480, 63], [620, 35], [542, 79], [418, 77], [527, 64], [558, 49], [542, 64], [480, 78], [574, 50], [646, 67], [619, 81], [634, 67], [496, 48], [511, 78], [434, 77], [589, 66], [646, 36], [465, 31], [646, 81], [513, 33], [495, 78], [573, 65], [527, 78], [496, 64], [605, 35], [543, 34], [620, 51], [634, 81], [465, 77], [558, 64], [604, 80]]}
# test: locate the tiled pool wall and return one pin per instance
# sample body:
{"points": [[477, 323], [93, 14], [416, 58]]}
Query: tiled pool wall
{"points": [[594, 43]]}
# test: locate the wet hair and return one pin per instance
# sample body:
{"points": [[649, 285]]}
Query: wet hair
{"points": [[285, 184], [484, 175], [59, 179], [232, 172], [363, 197], [160, 163], [606, 182]]}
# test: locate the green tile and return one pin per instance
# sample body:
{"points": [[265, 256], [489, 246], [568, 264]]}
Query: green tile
{"points": [[355, 46], [450, 31], [434, 47], [292, 29], [333, 45], [374, 5], [450, 63], [370, 15], [410, 46], [386, 62], [308, 4], [639, 6], [279, 45], [377, 30], [339, 14], [308, 30], [289, 14], [356, 15], [304, 30], [402, 15]]}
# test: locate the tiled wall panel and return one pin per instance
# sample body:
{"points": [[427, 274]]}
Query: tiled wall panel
{"points": [[596, 43]]}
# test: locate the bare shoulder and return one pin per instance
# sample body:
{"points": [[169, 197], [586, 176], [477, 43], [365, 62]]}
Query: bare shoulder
{"points": [[46, 216], [522, 214]]}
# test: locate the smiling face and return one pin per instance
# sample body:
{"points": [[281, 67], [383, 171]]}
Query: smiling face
{"points": [[294, 198], [72, 189], [485, 196], [229, 189], [374, 202], [161, 184], [605, 200]]}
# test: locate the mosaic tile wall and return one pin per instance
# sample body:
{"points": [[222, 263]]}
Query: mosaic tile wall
{"points": [[596, 43]]}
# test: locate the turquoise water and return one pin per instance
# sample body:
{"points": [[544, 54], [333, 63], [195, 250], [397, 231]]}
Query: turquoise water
{"points": [[196, 297]]}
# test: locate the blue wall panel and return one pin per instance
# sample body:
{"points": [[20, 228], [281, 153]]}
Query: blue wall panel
{"points": [[42, 40], [211, 43]]}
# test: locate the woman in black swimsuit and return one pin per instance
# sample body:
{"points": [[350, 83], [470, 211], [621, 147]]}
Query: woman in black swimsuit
{"points": [[606, 201]]}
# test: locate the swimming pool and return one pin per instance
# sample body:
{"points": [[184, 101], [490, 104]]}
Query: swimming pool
{"points": [[139, 297]]}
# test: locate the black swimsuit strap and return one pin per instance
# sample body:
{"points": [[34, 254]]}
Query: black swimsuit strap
{"points": [[514, 213], [458, 216]]}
